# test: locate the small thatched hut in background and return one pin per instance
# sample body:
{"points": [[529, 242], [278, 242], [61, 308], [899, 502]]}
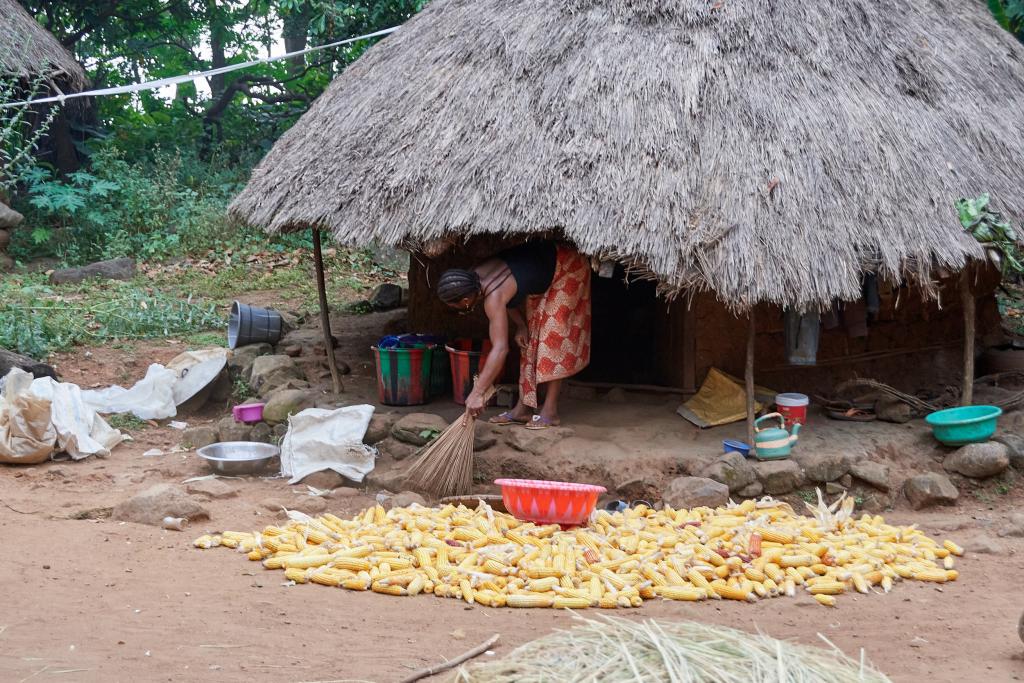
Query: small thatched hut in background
{"points": [[747, 157], [31, 56]]}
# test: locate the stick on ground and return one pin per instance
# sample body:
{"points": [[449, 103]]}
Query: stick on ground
{"points": [[452, 663]]}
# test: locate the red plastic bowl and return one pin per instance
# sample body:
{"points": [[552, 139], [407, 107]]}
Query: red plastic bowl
{"points": [[549, 502]]}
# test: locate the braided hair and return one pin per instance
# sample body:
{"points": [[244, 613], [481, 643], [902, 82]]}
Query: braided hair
{"points": [[456, 284]]}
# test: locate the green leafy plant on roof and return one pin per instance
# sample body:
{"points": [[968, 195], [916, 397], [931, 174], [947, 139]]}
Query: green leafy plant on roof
{"points": [[991, 229]]}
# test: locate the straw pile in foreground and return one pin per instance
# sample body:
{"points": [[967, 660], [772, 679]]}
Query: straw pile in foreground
{"points": [[615, 650], [445, 467]]}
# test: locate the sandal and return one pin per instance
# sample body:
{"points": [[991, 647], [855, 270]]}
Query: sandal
{"points": [[506, 418], [541, 422]]}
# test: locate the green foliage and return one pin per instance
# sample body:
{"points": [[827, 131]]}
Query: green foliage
{"points": [[241, 391], [1010, 15], [36, 318], [991, 229], [20, 134], [149, 209], [126, 422]]}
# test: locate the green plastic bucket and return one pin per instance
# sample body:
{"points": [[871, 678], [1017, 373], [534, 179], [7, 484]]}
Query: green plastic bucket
{"points": [[403, 375], [964, 425]]}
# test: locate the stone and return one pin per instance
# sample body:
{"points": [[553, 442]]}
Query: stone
{"points": [[241, 360], [380, 427], [391, 480], [311, 505], [229, 430], [399, 450], [978, 460], [5, 239], [751, 490], [779, 476], [731, 469], [889, 409], [278, 383], [279, 431], [277, 369], [615, 395], [823, 466], [1014, 449], [536, 441], [262, 433], [114, 269], [343, 367], [9, 218], [417, 429], [199, 436], [874, 473], [873, 503], [294, 351], [6, 263], [691, 492], [385, 297], [212, 489], [221, 388], [157, 502], [1014, 526], [932, 488], [325, 480], [834, 489], [287, 402], [407, 498], [846, 481], [484, 437], [983, 545]]}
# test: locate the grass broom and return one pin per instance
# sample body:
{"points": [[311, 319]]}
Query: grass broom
{"points": [[445, 466]]}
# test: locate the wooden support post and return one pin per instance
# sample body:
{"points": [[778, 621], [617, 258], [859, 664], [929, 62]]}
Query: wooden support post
{"points": [[749, 377], [325, 317], [967, 297]]}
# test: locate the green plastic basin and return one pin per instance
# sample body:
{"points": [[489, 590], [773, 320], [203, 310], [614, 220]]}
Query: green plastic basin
{"points": [[968, 424]]}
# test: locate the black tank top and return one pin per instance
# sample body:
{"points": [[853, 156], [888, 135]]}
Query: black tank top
{"points": [[533, 267]]}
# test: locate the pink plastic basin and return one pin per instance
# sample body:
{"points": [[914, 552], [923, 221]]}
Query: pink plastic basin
{"points": [[249, 413], [549, 502]]}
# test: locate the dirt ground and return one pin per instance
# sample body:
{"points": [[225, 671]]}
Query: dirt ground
{"points": [[100, 600]]}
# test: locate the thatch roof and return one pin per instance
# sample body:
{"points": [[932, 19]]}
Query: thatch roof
{"points": [[28, 50], [769, 151]]}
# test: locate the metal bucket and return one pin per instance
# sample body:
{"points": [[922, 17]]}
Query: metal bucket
{"points": [[252, 325]]}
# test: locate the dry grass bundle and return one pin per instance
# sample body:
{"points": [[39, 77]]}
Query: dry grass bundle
{"points": [[614, 650], [445, 467]]}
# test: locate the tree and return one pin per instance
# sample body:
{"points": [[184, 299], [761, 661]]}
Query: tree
{"points": [[1010, 15]]}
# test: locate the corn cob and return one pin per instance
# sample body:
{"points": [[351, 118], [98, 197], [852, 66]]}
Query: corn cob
{"points": [[826, 600]]}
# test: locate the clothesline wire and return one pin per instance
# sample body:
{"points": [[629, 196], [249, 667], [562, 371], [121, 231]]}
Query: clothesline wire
{"points": [[186, 78]]}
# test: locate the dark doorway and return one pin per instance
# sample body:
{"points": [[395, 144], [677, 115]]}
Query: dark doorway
{"points": [[625, 332]]}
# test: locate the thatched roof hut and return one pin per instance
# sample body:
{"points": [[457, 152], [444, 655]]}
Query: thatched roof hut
{"points": [[764, 151], [27, 50]]}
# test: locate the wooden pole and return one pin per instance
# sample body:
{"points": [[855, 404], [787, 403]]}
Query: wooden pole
{"points": [[967, 297], [749, 377], [325, 317]]}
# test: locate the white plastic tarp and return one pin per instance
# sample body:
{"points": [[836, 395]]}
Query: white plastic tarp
{"points": [[163, 389], [39, 417], [320, 439]]}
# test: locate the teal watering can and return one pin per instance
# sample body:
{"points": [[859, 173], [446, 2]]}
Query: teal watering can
{"points": [[773, 443]]}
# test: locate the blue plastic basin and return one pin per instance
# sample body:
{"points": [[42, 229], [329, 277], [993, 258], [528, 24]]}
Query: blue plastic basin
{"points": [[968, 424]]}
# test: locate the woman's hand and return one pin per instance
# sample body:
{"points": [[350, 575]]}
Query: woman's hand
{"points": [[522, 336], [475, 403]]}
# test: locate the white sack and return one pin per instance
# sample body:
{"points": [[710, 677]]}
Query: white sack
{"points": [[158, 394], [42, 416], [320, 439]]}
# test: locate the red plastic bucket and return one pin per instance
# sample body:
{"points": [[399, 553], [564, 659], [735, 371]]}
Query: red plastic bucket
{"points": [[467, 357], [403, 375], [793, 408]]}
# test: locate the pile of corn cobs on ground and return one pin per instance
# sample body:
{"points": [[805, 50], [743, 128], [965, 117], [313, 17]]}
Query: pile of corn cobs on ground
{"points": [[742, 552]]}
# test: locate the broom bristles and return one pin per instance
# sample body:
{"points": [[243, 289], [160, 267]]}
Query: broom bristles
{"points": [[445, 467]]}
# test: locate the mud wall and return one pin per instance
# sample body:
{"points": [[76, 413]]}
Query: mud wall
{"points": [[914, 343]]}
